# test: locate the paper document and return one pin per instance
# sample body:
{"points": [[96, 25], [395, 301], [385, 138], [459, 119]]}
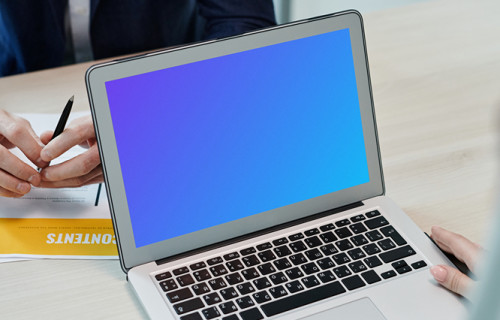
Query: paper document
{"points": [[56, 223]]}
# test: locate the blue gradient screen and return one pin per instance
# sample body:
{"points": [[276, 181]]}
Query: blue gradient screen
{"points": [[217, 140]]}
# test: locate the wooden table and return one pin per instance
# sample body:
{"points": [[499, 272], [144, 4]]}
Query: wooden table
{"points": [[435, 69]]}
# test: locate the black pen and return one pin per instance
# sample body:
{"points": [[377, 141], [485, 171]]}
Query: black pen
{"points": [[62, 120]]}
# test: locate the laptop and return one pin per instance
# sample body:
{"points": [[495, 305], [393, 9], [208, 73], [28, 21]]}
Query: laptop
{"points": [[245, 181]]}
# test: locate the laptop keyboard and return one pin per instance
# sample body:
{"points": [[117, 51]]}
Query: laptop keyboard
{"points": [[290, 272]]}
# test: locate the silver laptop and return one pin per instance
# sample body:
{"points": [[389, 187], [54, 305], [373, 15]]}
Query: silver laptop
{"points": [[245, 181]]}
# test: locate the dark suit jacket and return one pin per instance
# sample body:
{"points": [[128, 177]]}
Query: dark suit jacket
{"points": [[32, 34]]}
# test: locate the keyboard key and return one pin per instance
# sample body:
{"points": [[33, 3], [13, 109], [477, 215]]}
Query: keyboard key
{"points": [[358, 218], [341, 258], [228, 307], [325, 263], [356, 254], [404, 269], [200, 288], [372, 214], [264, 246], [261, 297], [294, 273], [374, 235], [282, 251], [188, 306], [343, 233], [357, 228], [371, 249], [359, 240], [218, 270], [294, 286], [181, 270], [326, 276], [342, 223], [311, 232], [376, 222], [370, 277], [211, 313], [357, 266], [344, 245], [389, 231], [245, 288], [202, 275], [313, 254], [302, 299], [197, 266], [234, 265], [228, 293], [342, 271], [168, 285], [250, 274], [179, 295], [212, 298], [328, 249], [233, 278], [282, 264], [297, 246], [267, 255], [185, 280], [217, 284], [231, 256], [192, 316], [262, 283], [245, 302], [310, 268], [388, 274], [214, 261], [251, 314], [278, 278], [399, 264], [295, 237], [231, 317], [163, 276], [353, 282], [328, 237], [267, 268], [397, 254], [251, 260], [419, 264], [327, 227], [247, 251], [313, 242], [280, 241], [278, 292], [372, 262], [310, 281], [386, 244], [298, 258]]}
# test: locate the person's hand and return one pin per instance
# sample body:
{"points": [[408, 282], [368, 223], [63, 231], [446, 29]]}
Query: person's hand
{"points": [[16, 176], [76, 172], [465, 251]]}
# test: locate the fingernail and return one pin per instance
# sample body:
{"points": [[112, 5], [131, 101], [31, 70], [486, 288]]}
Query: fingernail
{"points": [[46, 154], [439, 273], [46, 175], [30, 180], [23, 187]]}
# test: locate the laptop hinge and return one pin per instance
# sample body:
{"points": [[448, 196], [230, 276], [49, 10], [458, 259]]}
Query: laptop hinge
{"points": [[260, 232]]}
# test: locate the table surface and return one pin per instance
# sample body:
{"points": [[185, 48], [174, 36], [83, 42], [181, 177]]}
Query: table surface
{"points": [[435, 76]]}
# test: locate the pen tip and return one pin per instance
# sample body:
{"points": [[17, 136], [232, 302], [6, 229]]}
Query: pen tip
{"points": [[72, 98]]}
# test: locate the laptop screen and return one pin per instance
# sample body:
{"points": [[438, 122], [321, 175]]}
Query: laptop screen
{"points": [[209, 142]]}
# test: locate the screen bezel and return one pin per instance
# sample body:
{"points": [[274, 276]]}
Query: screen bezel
{"points": [[97, 75]]}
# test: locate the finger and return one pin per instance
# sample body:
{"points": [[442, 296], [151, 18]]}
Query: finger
{"points": [[18, 132], [10, 194], [91, 178], [456, 244], [78, 166], [452, 279], [17, 168], [13, 185], [79, 131], [46, 136]]}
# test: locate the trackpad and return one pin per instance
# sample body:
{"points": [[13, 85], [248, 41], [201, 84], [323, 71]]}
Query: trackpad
{"points": [[361, 309]]}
